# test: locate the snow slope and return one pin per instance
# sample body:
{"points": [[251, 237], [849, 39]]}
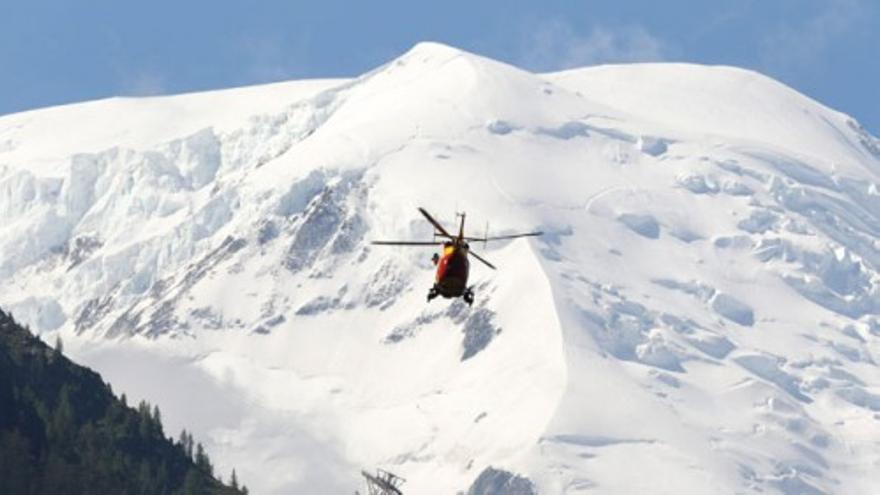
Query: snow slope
{"points": [[702, 316]]}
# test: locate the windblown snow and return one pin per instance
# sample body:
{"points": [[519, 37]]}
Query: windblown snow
{"points": [[701, 316]]}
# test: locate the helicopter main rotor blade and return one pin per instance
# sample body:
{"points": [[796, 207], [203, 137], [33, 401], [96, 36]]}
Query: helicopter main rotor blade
{"points": [[477, 256], [435, 223], [406, 243], [502, 237]]}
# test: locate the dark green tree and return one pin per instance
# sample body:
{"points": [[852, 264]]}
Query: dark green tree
{"points": [[63, 431], [192, 485], [15, 463], [157, 421], [202, 460], [233, 481], [59, 346]]}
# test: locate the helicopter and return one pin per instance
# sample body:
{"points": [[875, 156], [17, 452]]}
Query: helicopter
{"points": [[453, 265]]}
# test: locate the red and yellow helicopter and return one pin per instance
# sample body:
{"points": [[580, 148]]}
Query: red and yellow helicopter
{"points": [[453, 265]]}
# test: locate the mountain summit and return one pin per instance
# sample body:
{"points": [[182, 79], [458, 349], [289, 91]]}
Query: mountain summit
{"points": [[701, 316]]}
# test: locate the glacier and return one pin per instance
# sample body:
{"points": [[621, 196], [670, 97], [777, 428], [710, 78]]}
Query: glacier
{"points": [[702, 314]]}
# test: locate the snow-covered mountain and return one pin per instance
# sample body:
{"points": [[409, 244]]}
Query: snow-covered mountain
{"points": [[702, 315]]}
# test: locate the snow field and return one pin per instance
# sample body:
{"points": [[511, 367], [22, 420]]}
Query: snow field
{"points": [[701, 315]]}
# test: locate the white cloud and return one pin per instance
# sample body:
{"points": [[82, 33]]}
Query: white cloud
{"points": [[555, 45], [144, 83]]}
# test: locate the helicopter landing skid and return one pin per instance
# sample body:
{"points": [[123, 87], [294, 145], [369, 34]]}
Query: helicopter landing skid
{"points": [[432, 293], [468, 296]]}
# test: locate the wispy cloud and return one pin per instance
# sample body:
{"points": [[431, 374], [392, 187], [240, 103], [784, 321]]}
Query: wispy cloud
{"points": [[803, 45], [555, 45], [272, 57], [143, 83]]}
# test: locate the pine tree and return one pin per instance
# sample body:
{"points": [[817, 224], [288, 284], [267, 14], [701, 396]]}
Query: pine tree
{"points": [[59, 346], [157, 421], [202, 460], [189, 446], [233, 482], [162, 478], [192, 485], [16, 467], [145, 419], [61, 427], [145, 478]]}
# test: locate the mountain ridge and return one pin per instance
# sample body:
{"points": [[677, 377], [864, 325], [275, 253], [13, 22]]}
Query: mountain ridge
{"points": [[704, 301]]}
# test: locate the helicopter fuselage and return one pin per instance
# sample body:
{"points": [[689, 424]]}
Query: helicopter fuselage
{"points": [[452, 271]]}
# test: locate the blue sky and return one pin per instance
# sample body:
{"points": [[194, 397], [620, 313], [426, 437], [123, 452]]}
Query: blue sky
{"points": [[62, 51]]}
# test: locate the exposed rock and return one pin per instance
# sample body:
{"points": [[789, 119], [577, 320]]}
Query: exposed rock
{"points": [[499, 482]]}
